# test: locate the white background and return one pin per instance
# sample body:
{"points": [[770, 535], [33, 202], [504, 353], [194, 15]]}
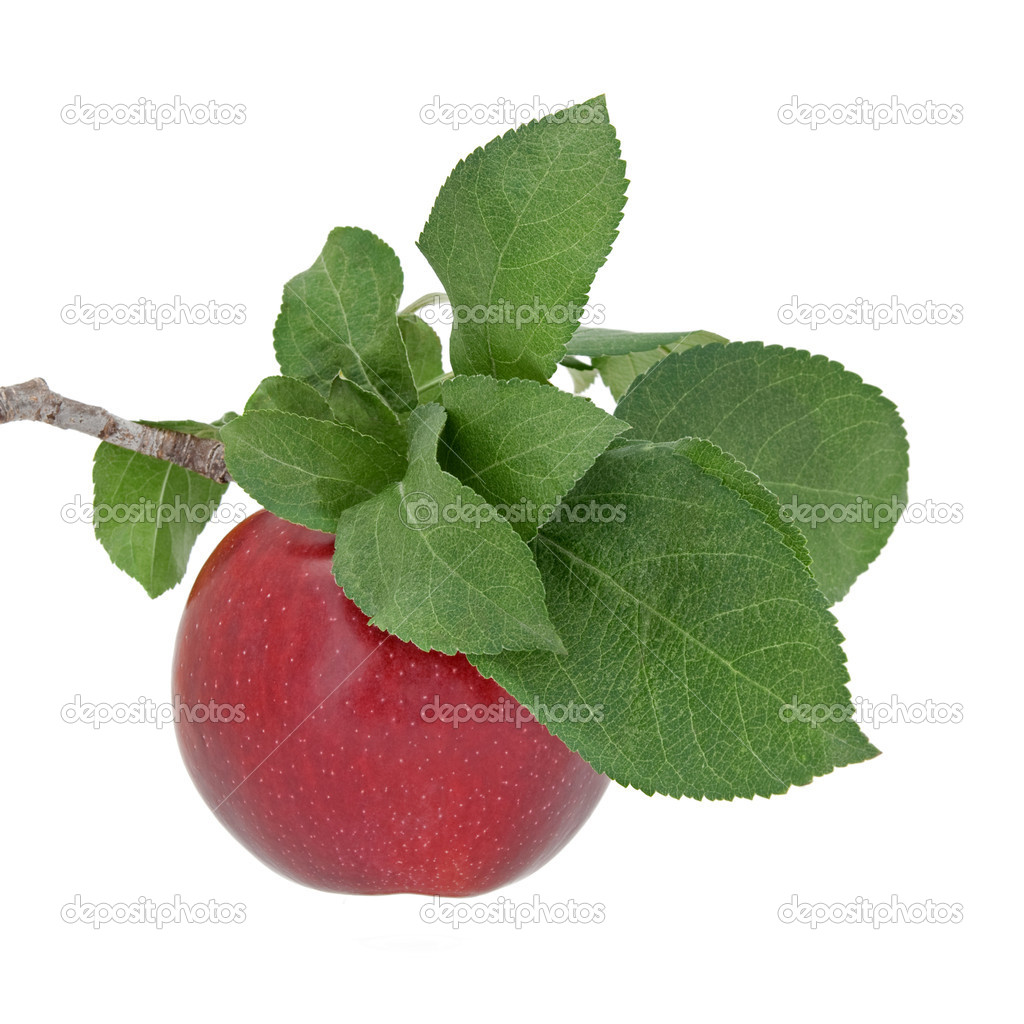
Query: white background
{"points": [[730, 214]]}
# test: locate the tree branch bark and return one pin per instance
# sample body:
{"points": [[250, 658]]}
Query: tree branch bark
{"points": [[33, 401]]}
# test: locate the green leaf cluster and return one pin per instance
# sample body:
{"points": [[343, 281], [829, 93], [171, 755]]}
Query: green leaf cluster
{"points": [[656, 568]]}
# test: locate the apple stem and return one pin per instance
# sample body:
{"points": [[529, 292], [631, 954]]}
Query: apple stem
{"points": [[33, 401]]}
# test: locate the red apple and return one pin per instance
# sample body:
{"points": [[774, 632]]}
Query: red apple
{"points": [[333, 774]]}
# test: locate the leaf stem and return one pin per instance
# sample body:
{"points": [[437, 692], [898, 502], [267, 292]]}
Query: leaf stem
{"points": [[427, 385], [424, 300], [33, 401]]}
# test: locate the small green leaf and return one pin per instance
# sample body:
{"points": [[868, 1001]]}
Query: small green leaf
{"points": [[517, 234], [341, 316], [815, 434], [427, 574], [306, 470], [603, 341], [618, 372], [423, 347], [163, 507], [582, 374], [364, 412], [619, 369], [581, 379], [571, 362], [690, 627], [288, 394], [520, 443]]}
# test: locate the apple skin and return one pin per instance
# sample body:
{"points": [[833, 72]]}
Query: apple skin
{"points": [[334, 778]]}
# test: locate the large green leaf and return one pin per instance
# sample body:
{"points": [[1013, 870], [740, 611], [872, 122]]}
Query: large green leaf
{"points": [[341, 316], [521, 443], [690, 627], [306, 470], [822, 440], [427, 574], [517, 234]]}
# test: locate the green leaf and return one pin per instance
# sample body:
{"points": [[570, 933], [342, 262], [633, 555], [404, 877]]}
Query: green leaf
{"points": [[582, 374], [619, 369], [208, 431], [306, 470], [365, 413], [341, 316], [423, 347], [165, 508], [815, 434], [618, 372], [738, 478], [520, 443], [689, 625], [346, 403], [426, 575], [288, 394], [603, 341], [518, 231]]}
